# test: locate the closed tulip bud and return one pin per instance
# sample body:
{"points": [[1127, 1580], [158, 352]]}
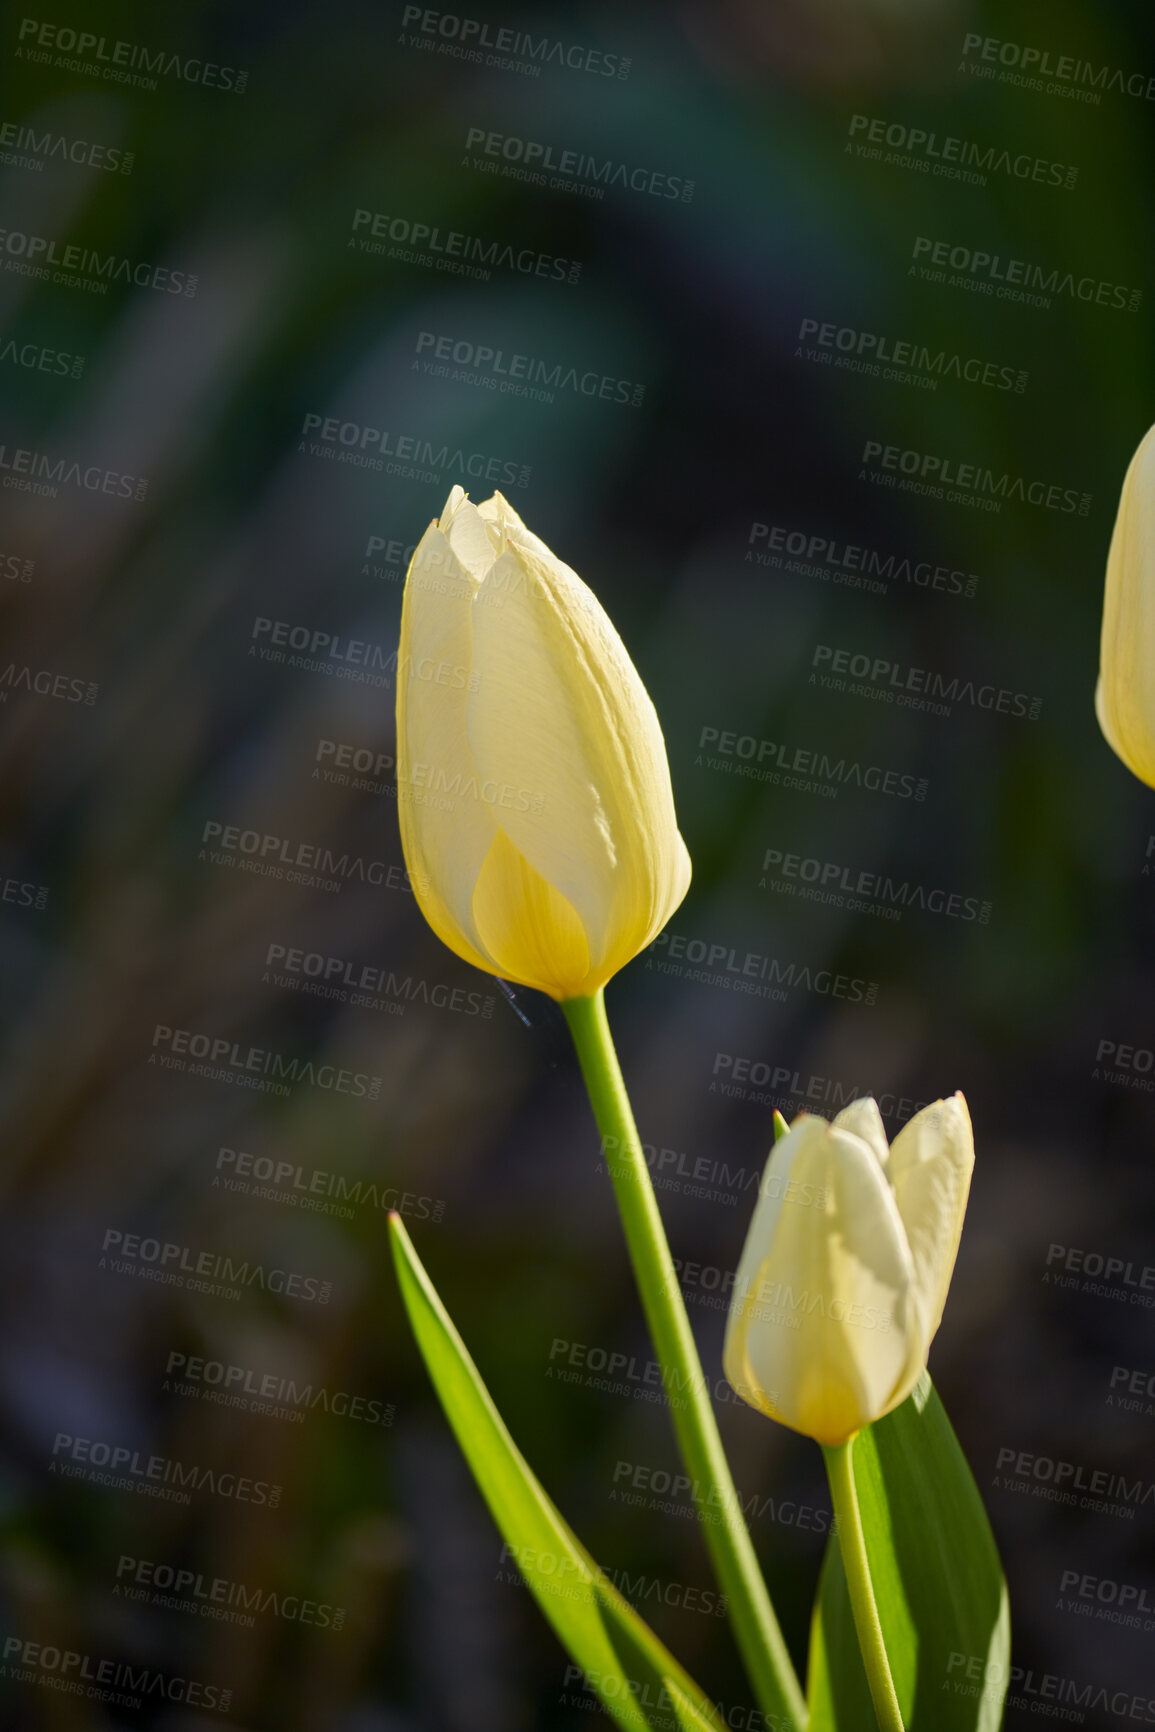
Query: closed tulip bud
{"points": [[1125, 696], [846, 1266], [537, 817]]}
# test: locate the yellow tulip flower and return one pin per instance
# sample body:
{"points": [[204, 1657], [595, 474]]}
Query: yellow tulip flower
{"points": [[846, 1266], [1125, 695], [537, 816]]}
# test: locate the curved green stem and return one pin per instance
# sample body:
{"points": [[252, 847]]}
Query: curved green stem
{"points": [[756, 1628], [856, 1564]]}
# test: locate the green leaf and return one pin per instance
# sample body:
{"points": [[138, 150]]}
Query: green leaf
{"points": [[937, 1578], [637, 1679]]}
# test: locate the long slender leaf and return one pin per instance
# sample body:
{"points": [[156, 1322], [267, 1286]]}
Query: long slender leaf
{"points": [[621, 1660], [937, 1578]]}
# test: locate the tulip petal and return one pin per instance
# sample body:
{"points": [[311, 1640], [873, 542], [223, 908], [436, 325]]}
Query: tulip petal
{"points": [[560, 713], [1125, 700], [864, 1119], [931, 1160], [511, 531], [446, 827], [475, 542], [819, 1330], [528, 927]]}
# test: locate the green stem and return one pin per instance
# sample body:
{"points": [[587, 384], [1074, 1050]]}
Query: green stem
{"points": [[755, 1625], [856, 1564]]}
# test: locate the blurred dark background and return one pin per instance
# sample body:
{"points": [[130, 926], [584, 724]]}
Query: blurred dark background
{"points": [[118, 924]]}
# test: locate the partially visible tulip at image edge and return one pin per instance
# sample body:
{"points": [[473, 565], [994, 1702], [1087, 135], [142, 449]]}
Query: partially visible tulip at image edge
{"points": [[1125, 694], [537, 822]]}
